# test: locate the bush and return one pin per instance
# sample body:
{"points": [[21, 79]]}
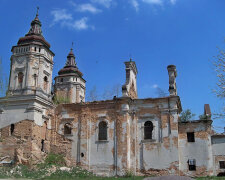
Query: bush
{"points": [[129, 173], [54, 159]]}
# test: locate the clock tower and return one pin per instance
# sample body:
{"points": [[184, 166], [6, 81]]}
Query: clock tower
{"points": [[31, 64]]}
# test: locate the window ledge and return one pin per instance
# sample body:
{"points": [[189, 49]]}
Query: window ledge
{"points": [[148, 140], [101, 141]]}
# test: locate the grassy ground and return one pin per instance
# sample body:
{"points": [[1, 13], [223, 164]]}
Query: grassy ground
{"points": [[50, 170], [210, 178]]}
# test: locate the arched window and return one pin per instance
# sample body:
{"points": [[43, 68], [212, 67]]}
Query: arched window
{"points": [[20, 79], [67, 129], [148, 128], [102, 134], [35, 80], [45, 83]]}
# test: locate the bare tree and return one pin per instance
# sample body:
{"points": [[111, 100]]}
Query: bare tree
{"points": [[92, 95], [110, 92], [3, 80], [219, 64], [160, 92]]}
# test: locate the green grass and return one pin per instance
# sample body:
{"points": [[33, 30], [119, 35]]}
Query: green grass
{"points": [[210, 178], [41, 172], [50, 169]]}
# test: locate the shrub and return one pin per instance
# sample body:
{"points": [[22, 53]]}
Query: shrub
{"points": [[129, 173], [54, 159]]}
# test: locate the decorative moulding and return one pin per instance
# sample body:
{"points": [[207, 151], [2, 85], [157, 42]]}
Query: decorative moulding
{"points": [[34, 108], [45, 72]]}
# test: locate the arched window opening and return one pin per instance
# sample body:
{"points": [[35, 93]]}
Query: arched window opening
{"points": [[67, 129], [45, 83], [12, 128], [148, 128], [20, 79], [35, 80], [61, 79], [35, 49], [102, 134]]}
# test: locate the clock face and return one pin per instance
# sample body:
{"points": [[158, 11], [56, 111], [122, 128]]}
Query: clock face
{"points": [[20, 60]]}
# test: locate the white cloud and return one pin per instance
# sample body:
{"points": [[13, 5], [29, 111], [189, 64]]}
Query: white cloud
{"points": [[106, 3], [61, 15], [155, 86], [173, 1], [156, 2], [159, 2], [135, 4], [87, 8], [80, 24]]}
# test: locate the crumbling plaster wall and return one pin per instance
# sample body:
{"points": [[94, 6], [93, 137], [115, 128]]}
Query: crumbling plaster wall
{"points": [[218, 147], [125, 149], [160, 154], [86, 149], [200, 150]]}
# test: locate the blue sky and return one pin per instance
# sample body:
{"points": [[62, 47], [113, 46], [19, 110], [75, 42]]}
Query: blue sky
{"points": [[155, 33]]}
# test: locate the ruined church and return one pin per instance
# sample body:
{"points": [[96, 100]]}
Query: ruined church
{"points": [[110, 137]]}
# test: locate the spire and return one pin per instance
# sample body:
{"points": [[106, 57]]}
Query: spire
{"points": [[36, 18], [71, 58], [35, 28]]}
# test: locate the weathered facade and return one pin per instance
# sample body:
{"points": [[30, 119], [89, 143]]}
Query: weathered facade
{"points": [[112, 137]]}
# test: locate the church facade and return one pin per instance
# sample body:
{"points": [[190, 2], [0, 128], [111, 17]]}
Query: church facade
{"points": [[111, 137]]}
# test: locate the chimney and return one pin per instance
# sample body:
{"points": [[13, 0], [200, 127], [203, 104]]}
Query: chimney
{"points": [[172, 79], [207, 112]]}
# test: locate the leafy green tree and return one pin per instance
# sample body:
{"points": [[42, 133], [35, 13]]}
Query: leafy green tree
{"points": [[202, 117], [186, 115]]}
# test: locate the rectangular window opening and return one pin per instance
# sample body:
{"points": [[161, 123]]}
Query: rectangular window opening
{"points": [[191, 137], [192, 165], [222, 164]]}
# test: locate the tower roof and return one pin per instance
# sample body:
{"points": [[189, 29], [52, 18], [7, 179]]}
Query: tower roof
{"points": [[71, 66], [71, 58], [35, 33], [35, 26]]}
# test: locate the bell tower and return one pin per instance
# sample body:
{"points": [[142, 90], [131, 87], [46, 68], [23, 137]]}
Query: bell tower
{"points": [[29, 92], [31, 64], [69, 84]]}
